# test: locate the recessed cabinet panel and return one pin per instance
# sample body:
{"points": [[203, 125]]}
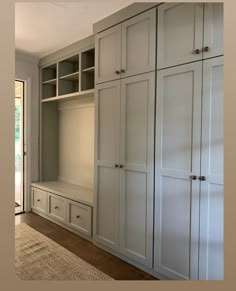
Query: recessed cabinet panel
{"points": [[106, 228], [213, 29], [107, 121], [108, 54], [180, 28], [211, 259], [177, 120], [138, 44], [175, 220]]}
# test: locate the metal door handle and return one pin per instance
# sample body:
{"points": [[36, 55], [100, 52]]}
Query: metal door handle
{"points": [[117, 72], [116, 165], [197, 51], [206, 48], [122, 71], [202, 178], [121, 166], [193, 177], [56, 207], [38, 200], [78, 216]]}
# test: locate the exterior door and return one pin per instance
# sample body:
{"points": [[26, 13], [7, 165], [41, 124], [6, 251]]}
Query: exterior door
{"points": [[180, 34], [108, 54], [139, 44], [211, 259], [178, 128], [213, 30], [107, 121], [136, 167]]}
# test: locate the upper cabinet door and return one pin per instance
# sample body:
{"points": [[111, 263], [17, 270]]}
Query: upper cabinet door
{"points": [[213, 30], [211, 256], [139, 44], [108, 54], [180, 34]]}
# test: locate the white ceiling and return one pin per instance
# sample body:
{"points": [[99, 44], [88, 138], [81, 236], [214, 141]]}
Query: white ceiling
{"points": [[44, 27]]}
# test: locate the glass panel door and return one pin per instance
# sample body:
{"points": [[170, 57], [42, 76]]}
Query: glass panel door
{"points": [[19, 144]]}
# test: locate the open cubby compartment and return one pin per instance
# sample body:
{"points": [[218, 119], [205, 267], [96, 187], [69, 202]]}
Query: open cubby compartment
{"points": [[67, 86], [69, 67], [49, 73], [49, 90], [87, 59], [87, 80]]}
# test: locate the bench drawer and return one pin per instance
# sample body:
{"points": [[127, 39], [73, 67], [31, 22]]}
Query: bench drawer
{"points": [[57, 207], [39, 200]]}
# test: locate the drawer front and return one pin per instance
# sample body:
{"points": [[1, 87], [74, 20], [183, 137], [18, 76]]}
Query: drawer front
{"points": [[39, 199], [57, 207], [80, 217]]}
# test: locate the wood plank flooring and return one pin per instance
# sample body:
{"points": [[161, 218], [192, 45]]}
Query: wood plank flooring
{"points": [[102, 260]]}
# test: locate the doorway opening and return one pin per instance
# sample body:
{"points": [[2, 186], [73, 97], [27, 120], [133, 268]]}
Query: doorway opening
{"points": [[19, 146]]}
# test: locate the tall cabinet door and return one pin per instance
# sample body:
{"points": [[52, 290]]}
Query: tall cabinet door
{"points": [[178, 128], [136, 172], [107, 123], [180, 33], [139, 44], [108, 54], [213, 30], [211, 259]]}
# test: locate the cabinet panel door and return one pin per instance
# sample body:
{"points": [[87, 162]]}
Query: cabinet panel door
{"points": [[212, 190], [180, 32], [213, 29], [108, 54], [136, 176], [107, 122], [178, 128], [139, 44]]}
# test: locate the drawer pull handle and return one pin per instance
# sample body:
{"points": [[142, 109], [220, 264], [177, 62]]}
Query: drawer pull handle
{"points": [[56, 207], [38, 200], [78, 216]]}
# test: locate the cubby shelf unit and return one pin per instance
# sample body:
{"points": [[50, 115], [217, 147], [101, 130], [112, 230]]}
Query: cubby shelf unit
{"points": [[69, 77]]}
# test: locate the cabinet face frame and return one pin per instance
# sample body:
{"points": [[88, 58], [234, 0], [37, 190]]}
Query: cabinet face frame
{"points": [[111, 75], [149, 16], [108, 165], [162, 60], [161, 172]]}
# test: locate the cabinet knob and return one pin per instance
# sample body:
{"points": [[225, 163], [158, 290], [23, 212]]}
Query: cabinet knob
{"points": [[56, 207], [117, 72], [78, 216], [38, 200], [121, 166], [206, 48], [197, 51], [202, 178], [122, 71], [116, 165], [193, 177]]}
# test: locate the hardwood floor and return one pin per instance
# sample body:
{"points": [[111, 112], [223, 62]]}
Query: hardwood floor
{"points": [[109, 264]]}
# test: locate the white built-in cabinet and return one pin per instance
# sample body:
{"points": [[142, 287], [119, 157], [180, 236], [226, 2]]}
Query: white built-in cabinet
{"points": [[188, 32], [126, 49], [189, 171], [124, 166]]}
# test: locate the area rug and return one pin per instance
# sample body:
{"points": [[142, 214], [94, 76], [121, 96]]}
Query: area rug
{"points": [[39, 258]]}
